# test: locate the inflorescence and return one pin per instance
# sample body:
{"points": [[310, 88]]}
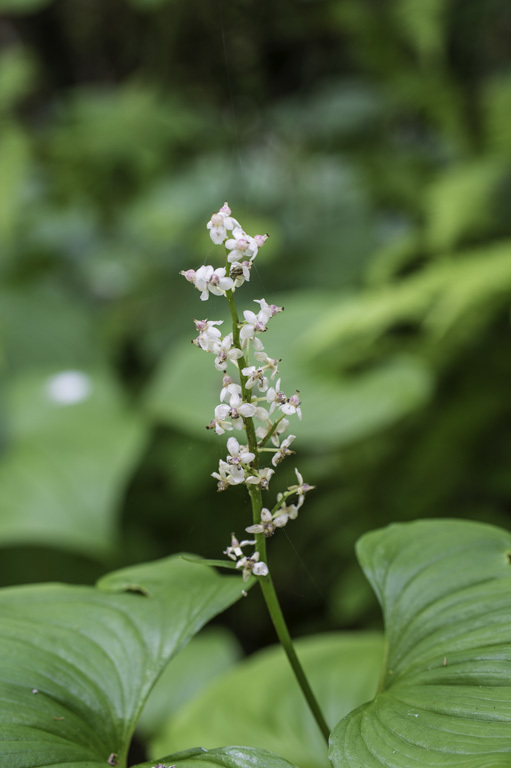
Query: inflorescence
{"points": [[250, 395]]}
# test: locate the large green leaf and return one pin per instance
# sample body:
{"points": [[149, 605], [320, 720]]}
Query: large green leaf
{"points": [[77, 663], [445, 691], [72, 442], [259, 703]]}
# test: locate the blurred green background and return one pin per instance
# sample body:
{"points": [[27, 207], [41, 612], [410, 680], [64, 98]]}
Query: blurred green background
{"points": [[372, 141]]}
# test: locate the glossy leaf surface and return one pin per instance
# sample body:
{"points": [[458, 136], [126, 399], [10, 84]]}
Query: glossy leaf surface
{"points": [[77, 663], [445, 693]]}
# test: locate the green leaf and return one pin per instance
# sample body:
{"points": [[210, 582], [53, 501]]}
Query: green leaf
{"points": [[362, 404], [77, 663], [258, 703], [206, 657], [228, 757], [66, 464], [445, 691]]}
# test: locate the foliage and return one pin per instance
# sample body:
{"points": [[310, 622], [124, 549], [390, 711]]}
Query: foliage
{"points": [[372, 141]]}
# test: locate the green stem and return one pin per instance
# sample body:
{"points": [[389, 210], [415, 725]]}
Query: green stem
{"points": [[265, 582]]}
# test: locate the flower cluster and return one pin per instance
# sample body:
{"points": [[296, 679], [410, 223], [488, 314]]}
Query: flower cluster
{"points": [[252, 398]]}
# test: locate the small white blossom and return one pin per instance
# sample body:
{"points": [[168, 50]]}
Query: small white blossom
{"points": [[220, 423], [209, 280], [275, 396], [238, 455], [292, 406], [266, 526], [302, 488], [225, 352], [255, 376], [208, 336], [241, 246], [236, 548], [253, 324], [269, 363], [219, 224], [240, 410], [261, 477], [283, 450], [269, 310], [228, 475], [240, 272], [229, 388], [252, 565]]}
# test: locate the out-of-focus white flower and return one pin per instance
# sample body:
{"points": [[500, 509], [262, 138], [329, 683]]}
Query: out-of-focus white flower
{"points": [[229, 388], [221, 222], [209, 280], [68, 387]]}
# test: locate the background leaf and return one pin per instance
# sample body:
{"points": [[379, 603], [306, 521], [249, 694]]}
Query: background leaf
{"points": [[228, 757], [445, 692], [67, 462], [77, 663], [258, 703]]}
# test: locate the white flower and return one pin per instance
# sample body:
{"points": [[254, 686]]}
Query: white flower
{"points": [[302, 488], [208, 335], [239, 272], [236, 549], [229, 388], [68, 387], [209, 280], [269, 309], [267, 525], [241, 246], [281, 427], [252, 565], [255, 376], [228, 475], [261, 477], [238, 455], [283, 450], [269, 363], [219, 223], [224, 352], [253, 324], [220, 423], [275, 396], [292, 406], [240, 410]]}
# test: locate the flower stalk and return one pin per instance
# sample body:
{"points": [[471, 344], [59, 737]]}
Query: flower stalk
{"points": [[252, 398]]}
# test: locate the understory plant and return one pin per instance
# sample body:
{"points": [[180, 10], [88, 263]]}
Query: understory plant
{"points": [[78, 663]]}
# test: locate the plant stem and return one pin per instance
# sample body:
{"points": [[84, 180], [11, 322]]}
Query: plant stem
{"points": [[266, 582]]}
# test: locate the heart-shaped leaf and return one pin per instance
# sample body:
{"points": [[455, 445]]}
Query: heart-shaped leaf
{"points": [[259, 703], [445, 691], [77, 663]]}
